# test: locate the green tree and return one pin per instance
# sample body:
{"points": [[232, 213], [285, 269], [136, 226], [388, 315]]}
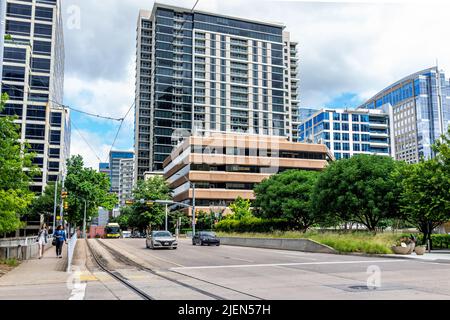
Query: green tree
{"points": [[362, 189], [425, 199], [173, 218], [44, 204], [241, 209], [86, 184], [287, 196], [15, 171], [150, 214]]}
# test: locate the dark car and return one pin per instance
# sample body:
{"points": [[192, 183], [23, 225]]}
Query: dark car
{"points": [[205, 238]]}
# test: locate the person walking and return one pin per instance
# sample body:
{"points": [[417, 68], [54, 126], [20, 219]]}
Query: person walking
{"points": [[60, 237], [42, 240]]}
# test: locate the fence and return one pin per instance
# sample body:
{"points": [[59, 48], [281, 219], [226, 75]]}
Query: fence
{"points": [[71, 250], [16, 242], [20, 248]]}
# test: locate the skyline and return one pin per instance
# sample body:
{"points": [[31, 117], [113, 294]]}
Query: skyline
{"points": [[344, 68]]}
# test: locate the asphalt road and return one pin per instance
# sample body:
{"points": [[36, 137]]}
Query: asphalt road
{"points": [[250, 273]]}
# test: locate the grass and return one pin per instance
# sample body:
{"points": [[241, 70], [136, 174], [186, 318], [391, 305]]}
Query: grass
{"points": [[10, 262], [357, 242]]}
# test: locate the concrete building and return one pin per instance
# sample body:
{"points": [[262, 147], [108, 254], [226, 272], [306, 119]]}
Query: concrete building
{"points": [[126, 181], [115, 157], [33, 77], [104, 168], [421, 107], [201, 73], [350, 132], [224, 167]]}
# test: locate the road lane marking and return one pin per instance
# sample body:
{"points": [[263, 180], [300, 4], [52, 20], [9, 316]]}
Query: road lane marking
{"points": [[289, 264]]}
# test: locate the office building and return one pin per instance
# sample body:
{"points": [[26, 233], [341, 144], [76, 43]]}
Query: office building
{"points": [[350, 132], [103, 167], [126, 181], [33, 77], [421, 108], [202, 73], [115, 158], [224, 167]]}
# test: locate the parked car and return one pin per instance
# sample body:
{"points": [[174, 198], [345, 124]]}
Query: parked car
{"points": [[161, 239], [205, 238]]}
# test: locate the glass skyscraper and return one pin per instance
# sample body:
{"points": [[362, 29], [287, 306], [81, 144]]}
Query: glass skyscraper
{"points": [[199, 72], [33, 77], [421, 107], [350, 132]]}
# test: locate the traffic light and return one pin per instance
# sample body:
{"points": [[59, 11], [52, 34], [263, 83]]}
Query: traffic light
{"points": [[64, 195], [66, 205]]}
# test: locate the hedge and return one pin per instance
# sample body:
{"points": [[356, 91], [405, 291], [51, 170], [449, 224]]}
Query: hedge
{"points": [[439, 241], [253, 225]]}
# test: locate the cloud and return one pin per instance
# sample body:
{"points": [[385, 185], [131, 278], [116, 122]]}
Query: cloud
{"points": [[345, 48]]}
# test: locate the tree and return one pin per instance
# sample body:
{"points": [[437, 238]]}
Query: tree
{"points": [[174, 216], [150, 214], [241, 209], [287, 196], [16, 169], [83, 184], [362, 189], [425, 199], [44, 204]]}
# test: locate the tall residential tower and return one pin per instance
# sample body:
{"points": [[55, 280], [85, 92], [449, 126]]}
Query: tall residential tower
{"points": [[33, 77], [201, 73]]}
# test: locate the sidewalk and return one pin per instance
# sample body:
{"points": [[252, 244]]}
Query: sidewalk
{"points": [[439, 256], [36, 279]]}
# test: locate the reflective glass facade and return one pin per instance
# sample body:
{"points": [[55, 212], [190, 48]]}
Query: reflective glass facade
{"points": [[421, 104], [200, 73], [347, 133], [33, 76]]}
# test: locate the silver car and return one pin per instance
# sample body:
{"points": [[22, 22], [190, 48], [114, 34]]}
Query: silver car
{"points": [[161, 240]]}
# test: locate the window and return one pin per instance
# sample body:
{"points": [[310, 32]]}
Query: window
{"points": [[17, 55], [40, 65], [12, 73], [40, 82], [337, 146], [336, 117], [356, 137], [18, 28], [337, 126], [43, 30], [19, 11], [35, 131], [45, 14], [55, 137], [42, 48]]}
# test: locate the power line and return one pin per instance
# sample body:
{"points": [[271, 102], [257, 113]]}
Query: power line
{"points": [[82, 137], [120, 127]]}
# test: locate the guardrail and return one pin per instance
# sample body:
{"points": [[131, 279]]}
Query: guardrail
{"points": [[70, 250], [16, 242]]}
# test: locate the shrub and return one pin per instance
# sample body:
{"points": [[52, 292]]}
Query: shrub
{"points": [[252, 224]]}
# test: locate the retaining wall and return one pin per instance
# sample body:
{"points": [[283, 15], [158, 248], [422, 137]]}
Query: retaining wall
{"points": [[25, 252], [304, 245]]}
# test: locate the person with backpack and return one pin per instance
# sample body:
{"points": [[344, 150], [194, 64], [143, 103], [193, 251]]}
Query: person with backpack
{"points": [[59, 239], [42, 240]]}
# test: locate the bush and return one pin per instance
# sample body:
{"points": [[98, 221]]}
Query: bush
{"points": [[10, 262], [253, 224], [439, 241]]}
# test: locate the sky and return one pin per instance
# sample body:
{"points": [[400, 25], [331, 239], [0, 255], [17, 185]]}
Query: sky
{"points": [[348, 52]]}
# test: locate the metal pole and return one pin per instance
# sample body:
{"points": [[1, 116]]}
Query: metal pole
{"points": [[167, 213], [61, 209], [84, 220], [193, 209], [55, 206]]}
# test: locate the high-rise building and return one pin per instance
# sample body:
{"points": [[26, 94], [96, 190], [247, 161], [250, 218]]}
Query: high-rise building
{"points": [[350, 132], [203, 73], [126, 181], [305, 113], [33, 77], [115, 157], [421, 107], [103, 167]]}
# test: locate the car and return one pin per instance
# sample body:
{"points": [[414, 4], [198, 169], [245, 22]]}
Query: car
{"points": [[161, 240], [126, 234], [205, 238]]}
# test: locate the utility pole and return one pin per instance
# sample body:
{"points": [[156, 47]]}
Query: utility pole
{"points": [[55, 205], [167, 213], [193, 210], [61, 209], [84, 220]]}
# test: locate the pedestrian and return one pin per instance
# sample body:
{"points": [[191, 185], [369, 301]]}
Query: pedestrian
{"points": [[42, 239], [60, 237]]}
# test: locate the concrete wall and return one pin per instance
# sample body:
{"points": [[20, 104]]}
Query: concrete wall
{"points": [[22, 252], [303, 245]]}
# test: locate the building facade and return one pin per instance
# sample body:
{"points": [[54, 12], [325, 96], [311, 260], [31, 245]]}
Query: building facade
{"points": [[224, 167], [350, 132], [115, 158], [202, 73], [126, 181], [103, 167], [33, 77], [421, 107]]}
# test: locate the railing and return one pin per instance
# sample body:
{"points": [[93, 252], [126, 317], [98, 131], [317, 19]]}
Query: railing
{"points": [[70, 250], [16, 242]]}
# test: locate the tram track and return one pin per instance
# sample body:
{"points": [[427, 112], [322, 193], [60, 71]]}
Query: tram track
{"points": [[122, 258]]}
